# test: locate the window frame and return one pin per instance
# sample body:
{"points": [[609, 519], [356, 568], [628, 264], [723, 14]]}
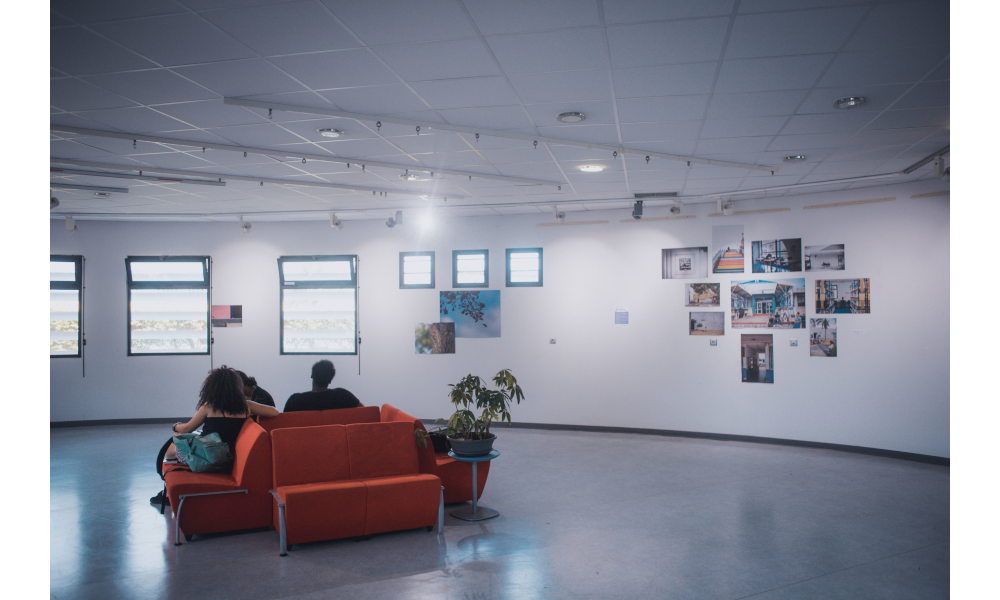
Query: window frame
{"points": [[525, 283], [76, 285], [417, 286], [206, 284], [486, 269], [352, 259]]}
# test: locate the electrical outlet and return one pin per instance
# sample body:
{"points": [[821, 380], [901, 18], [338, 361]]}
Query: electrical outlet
{"points": [[794, 342], [552, 340], [713, 342]]}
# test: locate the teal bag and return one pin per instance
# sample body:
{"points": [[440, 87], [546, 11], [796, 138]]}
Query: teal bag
{"points": [[204, 453]]}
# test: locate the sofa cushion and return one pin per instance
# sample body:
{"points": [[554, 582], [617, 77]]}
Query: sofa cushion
{"points": [[425, 454], [396, 503], [322, 511], [381, 450], [303, 418], [346, 416], [310, 455], [456, 477]]}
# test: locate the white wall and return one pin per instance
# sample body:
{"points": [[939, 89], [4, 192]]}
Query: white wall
{"points": [[888, 388]]}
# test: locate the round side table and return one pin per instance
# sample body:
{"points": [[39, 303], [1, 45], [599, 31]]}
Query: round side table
{"points": [[476, 513]]}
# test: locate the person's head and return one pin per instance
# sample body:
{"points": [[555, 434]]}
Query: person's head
{"points": [[249, 383], [223, 392], [322, 373]]}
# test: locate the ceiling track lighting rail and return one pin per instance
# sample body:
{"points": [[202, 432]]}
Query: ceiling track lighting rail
{"points": [[261, 180], [930, 158], [280, 153], [86, 188], [503, 134], [140, 176]]}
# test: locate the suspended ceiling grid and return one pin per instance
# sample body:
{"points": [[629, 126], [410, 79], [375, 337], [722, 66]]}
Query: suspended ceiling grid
{"points": [[748, 82]]}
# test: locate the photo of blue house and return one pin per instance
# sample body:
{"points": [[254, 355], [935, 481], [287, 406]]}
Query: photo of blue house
{"points": [[780, 303]]}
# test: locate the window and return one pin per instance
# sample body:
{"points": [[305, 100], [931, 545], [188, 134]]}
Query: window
{"points": [[319, 304], [416, 270], [168, 311], [524, 267], [470, 268], [65, 284]]}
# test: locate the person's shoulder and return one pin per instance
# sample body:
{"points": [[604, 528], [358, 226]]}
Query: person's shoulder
{"points": [[293, 402]]}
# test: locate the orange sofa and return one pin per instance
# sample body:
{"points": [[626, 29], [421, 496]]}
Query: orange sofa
{"points": [[310, 418], [336, 481], [214, 502]]}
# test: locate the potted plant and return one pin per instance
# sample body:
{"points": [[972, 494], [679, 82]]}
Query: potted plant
{"points": [[468, 434]]}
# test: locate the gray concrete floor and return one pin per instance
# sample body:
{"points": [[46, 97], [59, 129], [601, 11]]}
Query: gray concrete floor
{"points": [[582, 515]]}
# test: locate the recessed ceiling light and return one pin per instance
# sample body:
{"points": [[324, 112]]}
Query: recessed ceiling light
{"points": [[591, 168], [794, 158], [571, 117], [330, 133], [410, 177], [850, 102], [102, 194]]}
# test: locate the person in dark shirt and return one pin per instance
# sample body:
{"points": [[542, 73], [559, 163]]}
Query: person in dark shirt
{"points": [[254, 393], [321, 397]]}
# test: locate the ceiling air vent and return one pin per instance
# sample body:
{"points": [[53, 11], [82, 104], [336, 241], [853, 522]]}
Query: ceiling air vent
{"points": [[657, 195]]}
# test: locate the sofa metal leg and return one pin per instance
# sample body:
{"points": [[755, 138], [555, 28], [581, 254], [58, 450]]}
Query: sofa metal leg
{"points": [[163, 498], [440, 523], [177, 522], [284, 532]]}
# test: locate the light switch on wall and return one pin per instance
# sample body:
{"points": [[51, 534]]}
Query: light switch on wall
{"points": [[794, 342], [713, 342], [552, 340]]}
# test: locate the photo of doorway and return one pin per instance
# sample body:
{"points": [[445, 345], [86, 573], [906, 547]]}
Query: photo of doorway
{"points": [[757, 354]]}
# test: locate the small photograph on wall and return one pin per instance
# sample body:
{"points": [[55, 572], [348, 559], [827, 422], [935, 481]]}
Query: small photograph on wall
{"points": [[685, 263], [702, 294], [823, 337], [227, 315], [825, 258], [843, 296], [435, 338], [776, 256], [475, 314], [727, 249], [706, 323], [757, 354], [774, 303]]}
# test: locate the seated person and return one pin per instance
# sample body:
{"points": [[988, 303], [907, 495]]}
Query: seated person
{"points": [[321, 398], [254, 393]]}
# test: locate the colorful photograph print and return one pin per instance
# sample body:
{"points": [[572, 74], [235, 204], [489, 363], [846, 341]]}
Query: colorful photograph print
{"points": [[702, 294], [706, 323], [774, 303], [475, 314], [435, 338], [823, 337], [727, 249], [227, 315], [757, 354], [685, 263], [843, 296], [825, 258], [776, 256]]}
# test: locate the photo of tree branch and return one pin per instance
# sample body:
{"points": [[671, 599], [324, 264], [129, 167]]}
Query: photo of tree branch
{"points": [[475, 314]]}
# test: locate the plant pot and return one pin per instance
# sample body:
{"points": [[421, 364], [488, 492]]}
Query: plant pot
{"points": [[472, 448]]}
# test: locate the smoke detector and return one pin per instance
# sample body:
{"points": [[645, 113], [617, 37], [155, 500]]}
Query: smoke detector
{"points": [[53, 202]]}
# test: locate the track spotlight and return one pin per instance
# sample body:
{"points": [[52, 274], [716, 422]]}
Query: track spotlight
{"points": [[675, 209], [727, 208], [940, 170], [70, 224], [558, 215], [53, 202], [392, 222], [637, 210], [335, 222], [245, 227]]}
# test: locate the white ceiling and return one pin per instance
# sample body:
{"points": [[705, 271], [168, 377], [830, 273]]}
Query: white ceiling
{"points": [[749, 81]]}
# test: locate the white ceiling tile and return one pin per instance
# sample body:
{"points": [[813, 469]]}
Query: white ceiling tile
{"points": [[730, 128], [340, 69], [927, 95], [550, 51], [568, 86], [903, 24], [241, 78], [636, 11], [446, 160], [941, 73], [506, 156], [73, 95], [546, 171], [914, 117], [465, 93], [752, 6], [157, 86], [682, 147], [635, 133], [361, 148], [518, 16], [821, 100], [172, 160], [376, 100], [379, 22], [266, 135], [813, 157], [76, 51], [743, 144], [212, 4], [57, 21], [715, 172], [493, 117], [840, 120], [108, 10], [432, 142], [181, 39], [765, 74], [791, 33], [669, 80], [308, 129], [880, 67], [304, 99], [584, 155], [286, 28], [661, 108], [450, 59], [211, 113], [797, 143], [828, 168], [874, 153], [593, 134], [74, 120], [137, 119], [754, 104], [598, 112], [68, 149], [671, 42]]}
